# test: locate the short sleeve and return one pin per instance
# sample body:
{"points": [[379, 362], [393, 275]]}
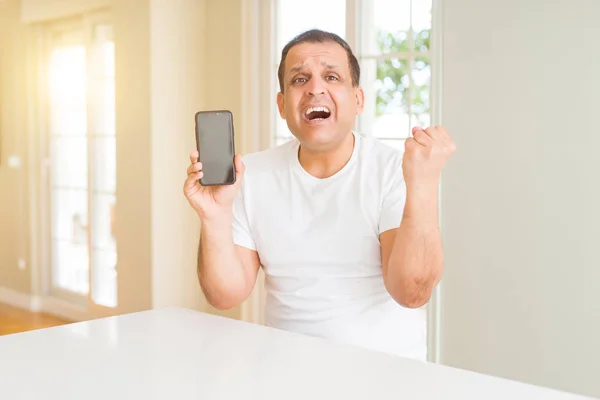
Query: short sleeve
{"points": [[394, 200], [242, 235]]}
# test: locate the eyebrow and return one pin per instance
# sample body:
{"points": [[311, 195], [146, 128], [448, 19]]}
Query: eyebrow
{"points": [[301, 67]]}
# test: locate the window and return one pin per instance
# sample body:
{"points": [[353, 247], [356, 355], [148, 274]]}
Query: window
{"points": [[391, 39], [394, 53], [82, 160]]}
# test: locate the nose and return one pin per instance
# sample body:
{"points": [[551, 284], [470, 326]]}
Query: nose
{"points": [[316, 87]]}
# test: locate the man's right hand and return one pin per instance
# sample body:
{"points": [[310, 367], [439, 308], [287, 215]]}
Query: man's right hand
{"points": [[227, 272], [211, 201]]}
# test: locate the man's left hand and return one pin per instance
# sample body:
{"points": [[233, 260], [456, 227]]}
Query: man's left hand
{"points": [[426, 154]]}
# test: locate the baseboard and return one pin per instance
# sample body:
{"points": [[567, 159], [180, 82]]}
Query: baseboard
{"points": [[49, 305], [18, 299]]}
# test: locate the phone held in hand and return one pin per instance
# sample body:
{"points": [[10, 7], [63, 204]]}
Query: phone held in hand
{"points": [[216, 148]]}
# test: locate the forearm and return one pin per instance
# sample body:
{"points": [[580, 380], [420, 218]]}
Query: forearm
{"points": [[221, 274], [415, 265]]}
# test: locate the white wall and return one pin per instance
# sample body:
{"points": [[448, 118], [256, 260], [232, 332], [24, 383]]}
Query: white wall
{"points": [[134, 154], [521, 197], [177, 59], [14, 219]]}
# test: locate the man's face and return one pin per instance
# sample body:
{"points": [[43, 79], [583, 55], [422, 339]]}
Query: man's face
{"points": [[319, 102]]}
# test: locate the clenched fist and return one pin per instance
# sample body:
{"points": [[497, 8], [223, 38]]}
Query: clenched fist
{"points": [[426, 154]]}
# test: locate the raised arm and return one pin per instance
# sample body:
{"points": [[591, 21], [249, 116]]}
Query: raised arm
{"points": [[412, 254], [226, 272]]}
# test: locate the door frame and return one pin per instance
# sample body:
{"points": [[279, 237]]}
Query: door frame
{"points": [[60, 302]]}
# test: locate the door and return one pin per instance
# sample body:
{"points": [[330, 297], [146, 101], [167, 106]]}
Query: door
{"points": [[81, 156]]}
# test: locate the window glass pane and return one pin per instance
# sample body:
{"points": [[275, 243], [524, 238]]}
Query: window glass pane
{"points": [[67, 118], [102, 106], [69, 161], [70, 244], [387, 97], [70, 215], [105, 162], [392, 82], [103, 222], [71, 266], [70, 256], [422, 120], [67, 90], [102, 84], [421, 15], [421, 76], [422, 40], [105, 277], [421, 92], [385, 26], [297, 16], [102, 60]]}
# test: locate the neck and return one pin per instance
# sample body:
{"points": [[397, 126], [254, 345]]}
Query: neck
{"points": [[325, 163]]}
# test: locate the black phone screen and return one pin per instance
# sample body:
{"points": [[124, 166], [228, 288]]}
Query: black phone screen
{"points": [[214, 138]]}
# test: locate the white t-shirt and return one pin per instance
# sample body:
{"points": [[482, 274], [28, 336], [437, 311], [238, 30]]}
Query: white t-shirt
{"points": [[318, 242]]}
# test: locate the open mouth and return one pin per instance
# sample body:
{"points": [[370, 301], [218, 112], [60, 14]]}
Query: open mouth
{"points": [[317, 113]]}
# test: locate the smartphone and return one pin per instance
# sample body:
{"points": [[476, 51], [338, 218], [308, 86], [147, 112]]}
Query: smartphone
{"points": [[216, 149]]}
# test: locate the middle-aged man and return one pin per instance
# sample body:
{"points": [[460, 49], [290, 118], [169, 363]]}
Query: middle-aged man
{"points": [[345, 227]]}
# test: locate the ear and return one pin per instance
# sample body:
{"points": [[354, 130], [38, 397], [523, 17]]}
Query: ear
{"points": [[280, 104], [360, 99]]}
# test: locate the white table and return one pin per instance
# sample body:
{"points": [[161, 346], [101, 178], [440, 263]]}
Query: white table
{"points": [[176, 353]]}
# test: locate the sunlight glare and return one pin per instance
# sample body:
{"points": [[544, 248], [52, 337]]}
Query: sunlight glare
{"points": [[68, 74]]}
